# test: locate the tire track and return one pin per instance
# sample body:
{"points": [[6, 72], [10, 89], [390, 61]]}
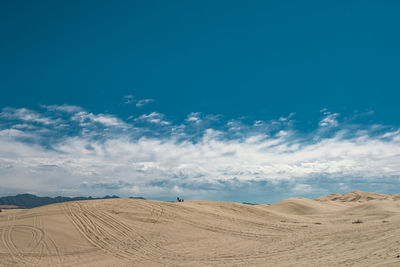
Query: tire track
{"points": [[47, 245], [6, 238], [154, 217], [140, 243], [241, 234], [107, 233], [118, 239], [37, 247], [255, 254], [99, 232], [58, 254]]}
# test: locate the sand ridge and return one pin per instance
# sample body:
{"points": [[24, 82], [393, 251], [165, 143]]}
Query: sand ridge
{"points": [[358, 196], [130, 232]]}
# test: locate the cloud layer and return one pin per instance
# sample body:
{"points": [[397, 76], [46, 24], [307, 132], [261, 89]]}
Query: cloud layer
{"points": [[71, 151]]}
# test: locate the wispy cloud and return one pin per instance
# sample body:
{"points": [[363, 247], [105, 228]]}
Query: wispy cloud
{"points": [[85, 118], [131, 99], [194, 117], [153, 117], [63, 108], [142, 102], [24, 114], [223, 161], [329, 119]]}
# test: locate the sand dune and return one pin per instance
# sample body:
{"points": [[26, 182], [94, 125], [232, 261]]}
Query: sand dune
{"points": [[130, 232], [358, 196]]}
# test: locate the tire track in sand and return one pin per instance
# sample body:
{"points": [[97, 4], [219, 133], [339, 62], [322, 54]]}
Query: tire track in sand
{"points": [[18, 256], [6, 239], [47, 246], [105, 232], [157, 212], [39, 245]]}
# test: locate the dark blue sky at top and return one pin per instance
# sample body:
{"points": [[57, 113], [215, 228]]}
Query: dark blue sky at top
{"points": [[263, 59]]}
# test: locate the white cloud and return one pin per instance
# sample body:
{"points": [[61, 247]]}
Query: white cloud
{"points": [[236, 125], [153, 117], [125, 163], [306, 189], [107, 120], [13, 133], [259, 123], [288, 117], [391, 134], [142, 102], [63, 108], [302, 189], [330, 120], [86, 118], [129, 99], [27, 115], [194, 117]]}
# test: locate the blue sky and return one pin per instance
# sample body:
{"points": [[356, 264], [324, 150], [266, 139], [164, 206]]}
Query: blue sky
{"points": [[219, 100]]}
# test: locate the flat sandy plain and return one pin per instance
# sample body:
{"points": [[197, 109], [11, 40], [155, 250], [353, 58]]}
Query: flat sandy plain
{"points": [[128, 232]]}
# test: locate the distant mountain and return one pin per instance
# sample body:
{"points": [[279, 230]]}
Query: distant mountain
{"points": [[27, 201], [137, 198], [249, 203]]}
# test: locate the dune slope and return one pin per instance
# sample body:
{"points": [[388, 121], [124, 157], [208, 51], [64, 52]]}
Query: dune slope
{"points": [[130, 232]]}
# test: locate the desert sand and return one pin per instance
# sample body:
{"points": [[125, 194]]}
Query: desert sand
{"points": [[130, 232]]}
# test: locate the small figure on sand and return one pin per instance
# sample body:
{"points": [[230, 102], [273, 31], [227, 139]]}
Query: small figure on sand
{"points": [[179, 199]]}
